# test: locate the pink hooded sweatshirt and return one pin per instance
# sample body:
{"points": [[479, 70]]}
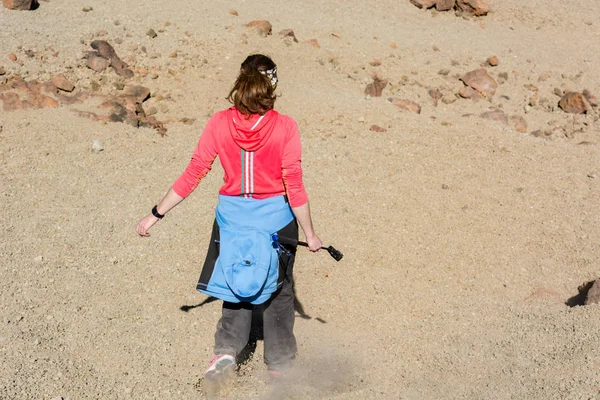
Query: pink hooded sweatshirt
{"points": [[261, 156]]}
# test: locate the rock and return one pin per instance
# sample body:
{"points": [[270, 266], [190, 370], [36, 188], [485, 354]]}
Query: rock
{"points": [[448, 98], [574, 103], [435, 94], [151, 111], [377, 128], [502, 77], [234, 12], [87, 9], [263, 27], [96, 62], [12, 57], [591, 99], [313, 43], [467, 92], [288, 33], [544, 77], [406, 105], [139, 93], [445, 5], [12, 102], [393, 46], [542, 133], [424, 3], [375, 63], [519, 123], [151, 33], [444, 71], [593, 295], [107, 51], [493, 61], [2, 71], [495, 115], [42, 101], [336, 34], [62, 83], [22, 5], [173, 55], [97, 146], [375, 89], [475, 7], [480, 81]]}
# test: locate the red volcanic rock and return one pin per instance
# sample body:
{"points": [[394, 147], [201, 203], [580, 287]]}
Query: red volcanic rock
{"points": [[493, 61], [519, 123], [139, 93], [424, 3], [313, 43], [444, 5], [574, 103], [476, 7], [375, 63], [62, 83], [288, 33], [480, 81], [105, 50], [495, 115], [377, 128], [18, 4], [96, 62], [11, 102], [375, 89], [262, 26], [467, 92], [42, 101], [435, 94], [406, 105]]}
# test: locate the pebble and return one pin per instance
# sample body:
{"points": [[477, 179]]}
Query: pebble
{"points": [[97, 146], [263, 27], [493, 61], [151, 33]]}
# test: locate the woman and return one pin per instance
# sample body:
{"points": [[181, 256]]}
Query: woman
{"points": [[263, 194]]}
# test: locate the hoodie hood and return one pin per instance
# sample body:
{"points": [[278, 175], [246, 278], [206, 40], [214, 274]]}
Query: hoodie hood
{"points": [[251, 134]]}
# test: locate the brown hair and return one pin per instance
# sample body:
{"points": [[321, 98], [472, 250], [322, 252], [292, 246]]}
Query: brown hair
{"points": [[252, 92]]}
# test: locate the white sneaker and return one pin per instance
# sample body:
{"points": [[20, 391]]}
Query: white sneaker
{"points": [[221, 366]]}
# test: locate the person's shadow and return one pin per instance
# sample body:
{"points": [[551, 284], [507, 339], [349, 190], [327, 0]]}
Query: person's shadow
{"points": [[256, 330]]}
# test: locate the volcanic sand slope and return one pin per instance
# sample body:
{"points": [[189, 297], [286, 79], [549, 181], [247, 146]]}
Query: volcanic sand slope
{"points": [[462, 238]]}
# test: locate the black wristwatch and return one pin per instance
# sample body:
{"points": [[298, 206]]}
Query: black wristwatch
{"points": [[156, 214]]}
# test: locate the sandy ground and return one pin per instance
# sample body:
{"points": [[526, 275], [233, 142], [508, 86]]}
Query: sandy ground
{"points": [[462, 238]]}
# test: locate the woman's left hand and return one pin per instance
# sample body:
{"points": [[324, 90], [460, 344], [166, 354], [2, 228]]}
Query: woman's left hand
{"points": [[145, 224]]}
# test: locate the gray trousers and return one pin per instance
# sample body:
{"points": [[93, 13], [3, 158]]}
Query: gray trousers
{"points": [[233, 329]]}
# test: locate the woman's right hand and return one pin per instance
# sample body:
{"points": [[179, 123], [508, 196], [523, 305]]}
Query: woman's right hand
{"points": [[145, 224], [314, 243]]}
